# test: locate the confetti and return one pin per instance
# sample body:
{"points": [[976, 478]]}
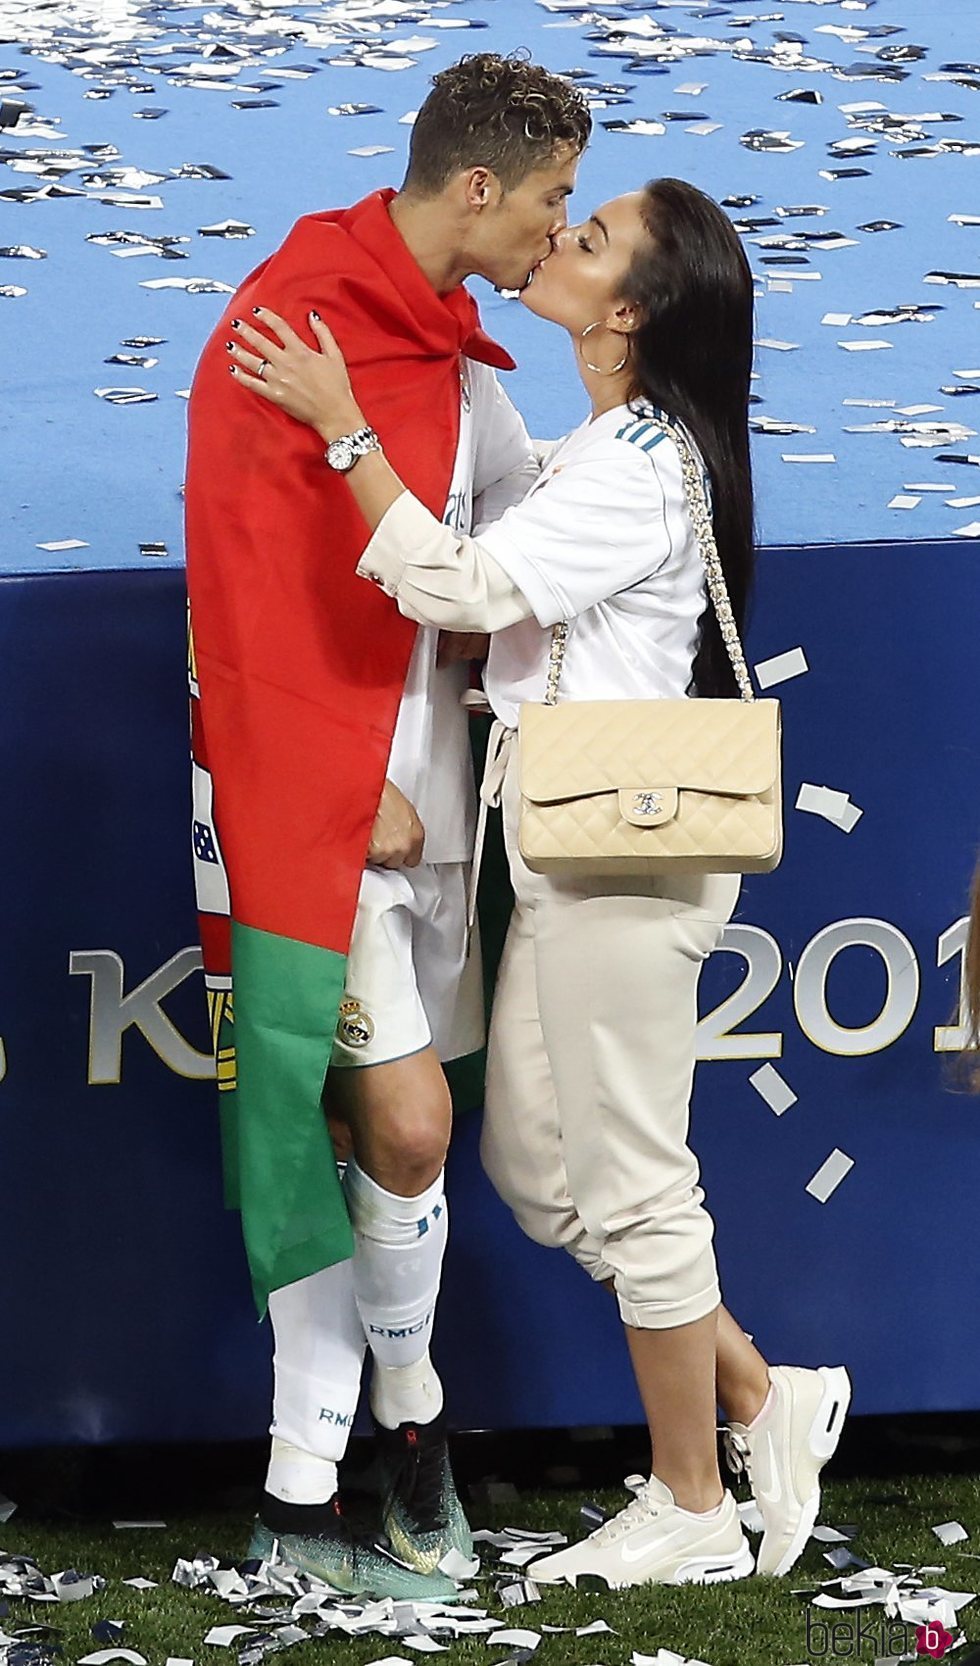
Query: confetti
{"points": [[126, 396], [771, 1087], [227, 228], [100, 1657], [833, 806], [781, 668], [829, 1175]]}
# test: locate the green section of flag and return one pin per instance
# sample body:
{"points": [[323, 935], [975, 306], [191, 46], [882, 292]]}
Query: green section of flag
{"points": [[294, 1217]]}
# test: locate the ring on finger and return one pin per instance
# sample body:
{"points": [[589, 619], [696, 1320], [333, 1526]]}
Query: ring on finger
{"points": [[263, 367]]}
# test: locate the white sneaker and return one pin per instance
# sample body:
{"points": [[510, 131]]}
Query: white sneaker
{"points": [[652, 1542], [784, 1452]]}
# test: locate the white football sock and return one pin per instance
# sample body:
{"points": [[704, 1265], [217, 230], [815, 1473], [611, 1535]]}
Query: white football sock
{"points": [[318, 1362], [406, 1393], [298, 1477], [399, 1247]]}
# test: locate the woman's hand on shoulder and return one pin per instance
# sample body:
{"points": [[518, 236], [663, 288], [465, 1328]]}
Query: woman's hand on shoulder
{"points": [[310, 384]]}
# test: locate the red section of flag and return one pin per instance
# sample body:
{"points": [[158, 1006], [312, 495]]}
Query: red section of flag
{"points": [[215, 930], [301, 664]]}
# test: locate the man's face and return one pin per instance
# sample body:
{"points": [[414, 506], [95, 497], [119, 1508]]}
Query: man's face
{"points": [[513, 233]]}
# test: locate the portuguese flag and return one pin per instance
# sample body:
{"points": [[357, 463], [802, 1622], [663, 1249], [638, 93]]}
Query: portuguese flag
{"points": [[297, 670]]}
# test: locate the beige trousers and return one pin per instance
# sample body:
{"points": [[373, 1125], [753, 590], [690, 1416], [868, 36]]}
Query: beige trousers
{"points": [[589, 1076]]}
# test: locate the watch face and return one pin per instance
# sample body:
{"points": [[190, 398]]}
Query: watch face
{"points": [[340, 455]]}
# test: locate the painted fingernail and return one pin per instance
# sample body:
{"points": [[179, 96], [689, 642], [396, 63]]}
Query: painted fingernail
{"points": [[229, 346], [236, 323], [256, 309], [316, 316], [232, 368]]}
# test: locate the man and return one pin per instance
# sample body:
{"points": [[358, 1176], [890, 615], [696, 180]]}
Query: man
{"points": [[325, 734]]}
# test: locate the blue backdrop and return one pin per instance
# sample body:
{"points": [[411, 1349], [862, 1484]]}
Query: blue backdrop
{"points": [[124, 1307]]}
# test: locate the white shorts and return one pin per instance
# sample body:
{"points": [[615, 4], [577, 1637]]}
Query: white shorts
{"points": [[410, 983]]}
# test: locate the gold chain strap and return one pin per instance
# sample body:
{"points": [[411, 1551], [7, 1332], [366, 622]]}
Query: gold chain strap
{"points": [[708, 550]]}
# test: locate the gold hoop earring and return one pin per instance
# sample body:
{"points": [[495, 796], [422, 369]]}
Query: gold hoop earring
{"points": [[597, 369]]}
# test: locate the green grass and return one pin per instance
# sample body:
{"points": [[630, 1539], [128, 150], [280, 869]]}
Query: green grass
{"points": [[757, 1622]]}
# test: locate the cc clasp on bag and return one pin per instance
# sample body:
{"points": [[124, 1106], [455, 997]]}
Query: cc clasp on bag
{"points": [[633, 787]]}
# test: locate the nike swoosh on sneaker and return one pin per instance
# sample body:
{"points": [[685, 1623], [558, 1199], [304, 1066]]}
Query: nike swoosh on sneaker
{"points": [[654, 1542], [776, 1494]]}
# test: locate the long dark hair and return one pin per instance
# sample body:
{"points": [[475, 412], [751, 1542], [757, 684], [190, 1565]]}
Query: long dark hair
{"points": [[692, 356]]}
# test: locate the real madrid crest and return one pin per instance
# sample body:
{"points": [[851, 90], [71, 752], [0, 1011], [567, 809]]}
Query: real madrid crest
{"points": [[355, 1027]]}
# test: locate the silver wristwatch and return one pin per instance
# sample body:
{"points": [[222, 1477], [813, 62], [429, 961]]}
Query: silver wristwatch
{"points": [[342, 454]]}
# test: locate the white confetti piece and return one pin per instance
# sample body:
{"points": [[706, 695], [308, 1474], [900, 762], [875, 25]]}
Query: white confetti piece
{"points": [[420, 1644], [777, 346], [962, 502], [645, 129], [99, 1657], [841, 319], [372, 150], [970, 531], [193, 286], [75, 1587], [222, 1637], [129, 1524], [176, 1659], [809, 457], [829, 1175], [834, 806], [904, 500], [772, 1087], [864, 346], [517, 1638], [781, 667], [751, 1516], [60, 544], [459, 1567], [141, 1584]]}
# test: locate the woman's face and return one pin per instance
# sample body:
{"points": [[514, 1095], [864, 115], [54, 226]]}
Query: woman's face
{"points": [[581, 282]]}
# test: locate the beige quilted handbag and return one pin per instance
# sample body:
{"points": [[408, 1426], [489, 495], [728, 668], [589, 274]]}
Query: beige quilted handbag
{"points": [[638, 787]]}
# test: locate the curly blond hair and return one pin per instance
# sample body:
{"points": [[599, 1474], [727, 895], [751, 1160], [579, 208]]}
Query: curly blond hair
{"points": [[503, 113]]}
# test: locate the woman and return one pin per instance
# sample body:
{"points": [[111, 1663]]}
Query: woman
{"points": [[592, 1046]]}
